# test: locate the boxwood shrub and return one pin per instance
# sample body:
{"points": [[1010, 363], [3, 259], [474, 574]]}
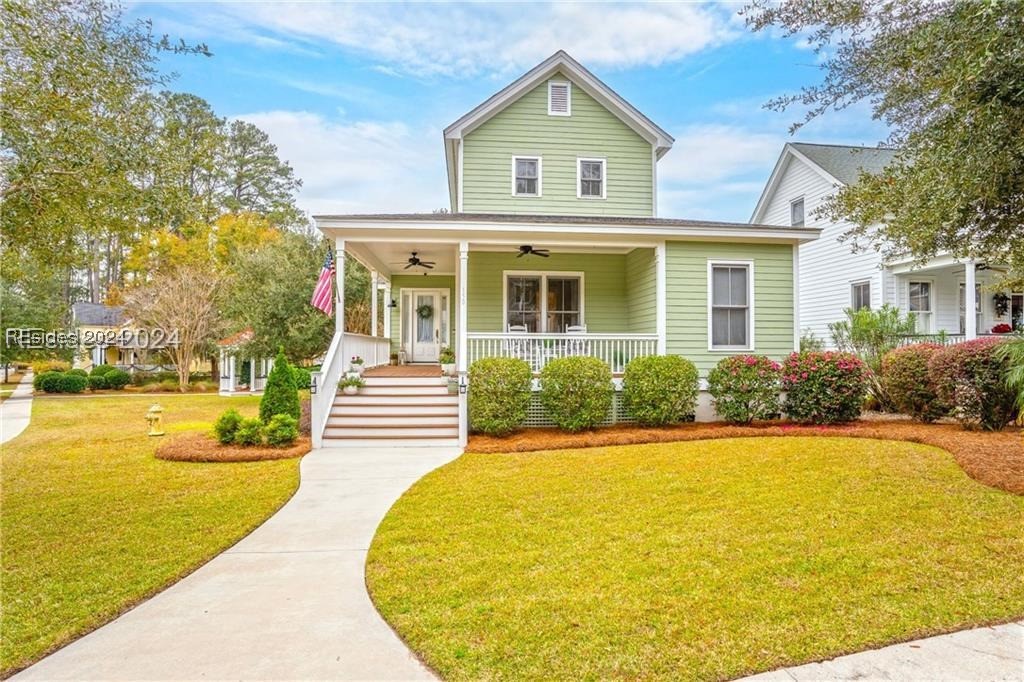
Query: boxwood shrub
{"points": [[72, 383], [499, 394], [117, 379], [249, 432], [303, 377], [824, 387], [281, 431], [48, 382], [971, 378], [907, 382], [97, 383], [745, 388], [226, 426], [660, 389], [100, 370], [576, 392], [79, 372]]}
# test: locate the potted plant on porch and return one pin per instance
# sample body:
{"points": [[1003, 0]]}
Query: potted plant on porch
{"points": [[447, 359], [351, 384], [356, 365]]}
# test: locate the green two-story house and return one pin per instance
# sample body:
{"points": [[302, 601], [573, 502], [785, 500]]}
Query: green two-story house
{"points": [[552, 247]]}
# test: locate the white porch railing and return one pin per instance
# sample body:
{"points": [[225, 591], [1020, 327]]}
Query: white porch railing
{"points": [[538, 349], [374, 350]]}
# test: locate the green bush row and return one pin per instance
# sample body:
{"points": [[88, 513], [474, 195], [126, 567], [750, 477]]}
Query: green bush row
{"points": [[231, 428], [77, 380]]}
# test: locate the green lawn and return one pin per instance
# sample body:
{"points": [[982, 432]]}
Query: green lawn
{"points": [[91, 523], [699, 560]]}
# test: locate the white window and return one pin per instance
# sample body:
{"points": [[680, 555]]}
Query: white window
{"points": [[543, 302], [559, 98], [919, 298], [590, 178], [796, 212], [526, 176], [963, 308], [730, 306], [860, 295]]}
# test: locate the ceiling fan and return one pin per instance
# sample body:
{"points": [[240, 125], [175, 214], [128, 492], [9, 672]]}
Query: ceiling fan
{"points": [[527, 250], [414, 260]]}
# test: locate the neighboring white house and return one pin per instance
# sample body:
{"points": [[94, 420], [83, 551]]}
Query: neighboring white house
{"points": [[834, 277]]}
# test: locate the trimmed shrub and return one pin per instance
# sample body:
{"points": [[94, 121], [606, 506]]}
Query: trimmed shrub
{"points": [[72, 383], [281, 431], [303, 377], [48, 382], [576, 392], [101, 370], [824, 387], [79, 372], [659, 389], [971, 378], [117, 379], [51, 365], [908, 384], [97, 383], [499, 394], [746, 388], [280, 395], [249, 432], [226, 426]]}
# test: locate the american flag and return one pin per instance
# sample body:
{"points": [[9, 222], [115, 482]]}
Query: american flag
{"points": [[323, 295]]}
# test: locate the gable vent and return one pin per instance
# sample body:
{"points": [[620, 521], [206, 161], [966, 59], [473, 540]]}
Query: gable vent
{"points": [[559, 99]]}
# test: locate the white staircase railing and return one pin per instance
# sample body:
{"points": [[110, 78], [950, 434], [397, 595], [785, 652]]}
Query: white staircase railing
{"points": [[374, 350]]}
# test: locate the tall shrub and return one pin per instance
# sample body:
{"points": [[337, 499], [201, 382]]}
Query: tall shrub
{"points": [[499, 394], [971, 377], [280, 395], [870, 334], [745, 388], [824, 388], [660, 389], [576, 392], [906, 380]]}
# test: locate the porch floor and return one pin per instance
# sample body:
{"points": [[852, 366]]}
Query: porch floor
{"points": [[404, 371]]}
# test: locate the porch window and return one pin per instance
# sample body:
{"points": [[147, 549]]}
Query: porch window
{"points": [[731, 295], [543, 302], [963, 308], [920, 303], [591, 178], [526, 176], [860, 295]]}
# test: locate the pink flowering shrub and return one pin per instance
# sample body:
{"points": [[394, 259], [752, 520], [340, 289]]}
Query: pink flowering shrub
{"points": [[906, 381], [745, 388], [971, 377], [824, 387]]}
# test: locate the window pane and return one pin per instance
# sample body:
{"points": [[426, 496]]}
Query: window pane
{"points": [[526, 186], [920, 296], [796, 213], [720, 286], [563, 303], [591, 170], [524, 302], [738, 327], [720, 327], [526, 168], [738, 286]]}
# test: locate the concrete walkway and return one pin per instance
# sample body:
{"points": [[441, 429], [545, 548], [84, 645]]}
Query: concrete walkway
{"points": [[287, 602], [16, 411], [989, 654]]}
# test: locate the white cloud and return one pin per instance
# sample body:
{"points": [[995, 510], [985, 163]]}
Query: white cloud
{"points": [[465, 40], [358, 167]]}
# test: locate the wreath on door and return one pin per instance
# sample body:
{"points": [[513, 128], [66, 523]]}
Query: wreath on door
{"points": [[425, 311]]}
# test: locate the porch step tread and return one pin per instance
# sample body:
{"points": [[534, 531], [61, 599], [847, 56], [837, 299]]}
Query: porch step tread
{"points": [[392, 421], [386, 410], [392, 432], [404, 390], [345, 443], [406, 381]]}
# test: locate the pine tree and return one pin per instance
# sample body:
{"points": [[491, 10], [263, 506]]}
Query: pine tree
{"points": [[281, 395]]}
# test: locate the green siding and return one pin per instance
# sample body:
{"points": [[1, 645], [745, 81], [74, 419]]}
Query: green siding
{"points": [[604, 287], [420, 282], [641, 291], [524, 128], [687, 287]]}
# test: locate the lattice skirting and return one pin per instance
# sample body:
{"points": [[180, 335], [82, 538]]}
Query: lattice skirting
{"points": [[536, 415]]}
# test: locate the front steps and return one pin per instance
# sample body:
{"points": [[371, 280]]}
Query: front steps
{"points": [[395, 412]]}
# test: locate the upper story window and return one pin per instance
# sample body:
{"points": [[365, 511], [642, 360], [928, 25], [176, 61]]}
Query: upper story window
{"points": [[860, 295], [796, 212], [526, 176], [590, 178], [730, 291], [559, 98]]}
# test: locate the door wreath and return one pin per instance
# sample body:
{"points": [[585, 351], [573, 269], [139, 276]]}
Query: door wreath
{"points": [[425, 311]]}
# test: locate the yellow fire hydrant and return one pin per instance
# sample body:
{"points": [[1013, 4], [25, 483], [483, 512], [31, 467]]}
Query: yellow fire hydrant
{"points": [[155, 419]]}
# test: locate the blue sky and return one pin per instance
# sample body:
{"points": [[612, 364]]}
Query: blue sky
{"points": [[355, 95]]}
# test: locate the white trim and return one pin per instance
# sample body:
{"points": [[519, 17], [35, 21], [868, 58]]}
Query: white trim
{"points": [[461, 342], [543, 312], [568, 98], [712, 262], [374, 311], [803, 211], [540, 176], [339, 279], [579, 177], [797, 332], [654, 182], [661, 297], [461, 183]]}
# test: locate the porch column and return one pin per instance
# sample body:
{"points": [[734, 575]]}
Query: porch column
{"points": [[661, 302], [231, 373], [374, 294], [970, 305], [339, 277], [252, 374], [462, 343], [387, 309]]}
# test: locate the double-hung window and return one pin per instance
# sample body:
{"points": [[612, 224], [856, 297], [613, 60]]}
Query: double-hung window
{"points": [[919, 299], [526, 176], [543, 302], [730, 298], [860, 295], [796, 212], [590, 178]]}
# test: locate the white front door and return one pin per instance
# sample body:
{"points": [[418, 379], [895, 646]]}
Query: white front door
{"points": [[424, 321]]}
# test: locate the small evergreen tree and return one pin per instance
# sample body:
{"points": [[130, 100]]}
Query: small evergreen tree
{"points": [[281, 396]]}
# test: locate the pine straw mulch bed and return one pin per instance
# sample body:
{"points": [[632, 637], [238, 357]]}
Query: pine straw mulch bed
{"points": [[199, 447], [995, 459]]}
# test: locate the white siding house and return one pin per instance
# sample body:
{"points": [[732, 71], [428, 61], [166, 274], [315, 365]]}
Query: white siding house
{"points": [[833, 277]]}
